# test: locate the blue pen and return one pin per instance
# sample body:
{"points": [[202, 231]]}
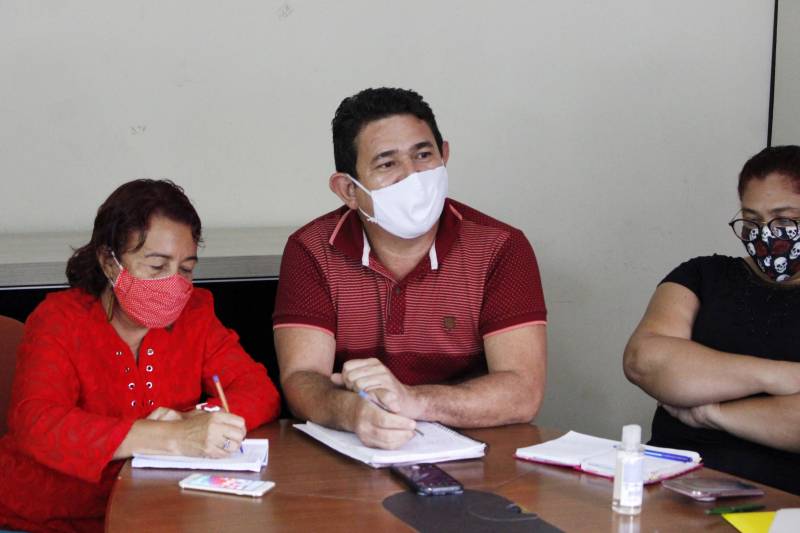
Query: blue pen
{"points": [[669, 456], [365, 396]]}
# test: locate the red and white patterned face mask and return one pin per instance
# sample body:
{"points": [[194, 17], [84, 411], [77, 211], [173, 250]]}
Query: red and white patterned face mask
{"points": [[153, 303]]}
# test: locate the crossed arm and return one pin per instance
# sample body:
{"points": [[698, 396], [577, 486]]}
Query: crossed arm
{"points": [[511, 392], [708, 388]]}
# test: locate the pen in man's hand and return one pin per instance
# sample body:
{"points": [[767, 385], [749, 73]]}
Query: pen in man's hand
{"points": [[363, 394]]}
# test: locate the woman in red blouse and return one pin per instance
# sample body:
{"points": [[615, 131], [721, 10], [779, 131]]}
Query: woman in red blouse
{"points": [[115, 365]]}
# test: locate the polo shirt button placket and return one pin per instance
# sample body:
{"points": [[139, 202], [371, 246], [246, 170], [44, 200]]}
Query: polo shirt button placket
{"points": [[396, 311]]}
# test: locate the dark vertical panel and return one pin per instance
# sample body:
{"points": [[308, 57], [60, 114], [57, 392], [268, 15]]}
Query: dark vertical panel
{"points": [[772, 73], [246, 307]]}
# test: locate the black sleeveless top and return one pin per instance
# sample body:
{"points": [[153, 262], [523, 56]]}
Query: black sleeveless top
{"points": [[743, 314]]}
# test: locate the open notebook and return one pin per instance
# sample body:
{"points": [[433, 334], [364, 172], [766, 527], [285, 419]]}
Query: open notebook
{"points": [[596, 455], [436, 444], [254, 456]]}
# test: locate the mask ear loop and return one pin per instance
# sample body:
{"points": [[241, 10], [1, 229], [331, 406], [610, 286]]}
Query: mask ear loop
{"points": [[369, 193], [112, 296]]}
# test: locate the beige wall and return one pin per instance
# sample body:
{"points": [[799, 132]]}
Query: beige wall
{"points": [[786, 113], [610, 132]]}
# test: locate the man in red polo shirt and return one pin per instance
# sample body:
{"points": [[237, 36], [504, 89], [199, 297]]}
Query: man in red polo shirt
{"points": [[405, 305]]}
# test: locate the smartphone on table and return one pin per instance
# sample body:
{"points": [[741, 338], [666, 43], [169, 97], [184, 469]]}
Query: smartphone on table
{"points": [[227, 485], [708, 489], [428, 479]]}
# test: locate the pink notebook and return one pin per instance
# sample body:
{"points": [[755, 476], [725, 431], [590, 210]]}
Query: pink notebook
{"points": [[595, 455]]}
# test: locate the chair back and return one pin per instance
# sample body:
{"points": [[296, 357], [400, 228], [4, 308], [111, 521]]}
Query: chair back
{"points": [[10, 337]]}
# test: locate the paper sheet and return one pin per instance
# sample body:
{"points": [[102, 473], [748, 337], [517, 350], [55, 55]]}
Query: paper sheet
{"points": [[436, 444], [786, 521]]}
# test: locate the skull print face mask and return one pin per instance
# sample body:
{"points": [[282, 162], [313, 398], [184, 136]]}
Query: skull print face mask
{"points": [[777, 256]]}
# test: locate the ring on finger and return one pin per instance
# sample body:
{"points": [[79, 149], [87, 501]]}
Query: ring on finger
{"points": [[227, 444]]}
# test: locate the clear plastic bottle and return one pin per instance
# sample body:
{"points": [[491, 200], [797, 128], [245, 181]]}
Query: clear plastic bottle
{"points": [[625, 523], [629, 473]]}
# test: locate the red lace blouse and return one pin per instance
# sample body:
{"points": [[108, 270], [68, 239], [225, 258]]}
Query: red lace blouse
{"points": [[78, 389]]}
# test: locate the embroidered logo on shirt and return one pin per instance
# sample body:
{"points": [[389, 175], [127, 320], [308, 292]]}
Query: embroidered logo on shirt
{"points": [[449, 323]]}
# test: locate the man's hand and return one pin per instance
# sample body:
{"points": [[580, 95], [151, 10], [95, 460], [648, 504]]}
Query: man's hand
{"points": [[701, 416], [390, 423], [379, 428], [372, 377]]}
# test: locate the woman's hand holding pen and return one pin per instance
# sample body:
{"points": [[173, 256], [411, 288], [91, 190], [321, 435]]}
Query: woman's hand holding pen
{"points": [[199, 433], [196, 433], [213, 435], [165, 414]]}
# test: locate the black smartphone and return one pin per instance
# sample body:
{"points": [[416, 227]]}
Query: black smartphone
{"points": [[428, 479]]}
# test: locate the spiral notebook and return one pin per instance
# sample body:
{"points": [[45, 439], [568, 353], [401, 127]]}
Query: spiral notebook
{"points": [[437, 444], [595, 455]]}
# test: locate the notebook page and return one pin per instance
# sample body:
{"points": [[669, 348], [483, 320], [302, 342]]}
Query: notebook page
{"points": [[437, 443], [655, 468], [568, 450], [255, 455]]}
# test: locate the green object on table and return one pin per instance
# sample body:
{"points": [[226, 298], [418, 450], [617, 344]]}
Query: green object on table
{"points": [[736, 509]]}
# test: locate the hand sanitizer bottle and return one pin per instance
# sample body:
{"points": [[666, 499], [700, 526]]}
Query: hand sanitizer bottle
{"points": [[629, 473]]}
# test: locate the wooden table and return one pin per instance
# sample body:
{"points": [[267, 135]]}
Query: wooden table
{"points": [[319, 490]]}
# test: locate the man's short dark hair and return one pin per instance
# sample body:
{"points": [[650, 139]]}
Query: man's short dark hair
{"points": [[784, 160], [369, 105]]}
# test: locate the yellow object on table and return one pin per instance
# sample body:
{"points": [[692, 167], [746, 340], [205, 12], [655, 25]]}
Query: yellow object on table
{"points": [[757, 522]]}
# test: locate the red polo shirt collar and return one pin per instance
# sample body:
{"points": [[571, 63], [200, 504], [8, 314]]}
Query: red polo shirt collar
{"points": [[349, 237]]}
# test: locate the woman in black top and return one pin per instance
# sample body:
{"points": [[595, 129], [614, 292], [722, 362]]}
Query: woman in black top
{"points": [[719, 344]]}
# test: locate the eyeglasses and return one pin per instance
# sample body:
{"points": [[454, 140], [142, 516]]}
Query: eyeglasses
{"points": [[785, 229]]}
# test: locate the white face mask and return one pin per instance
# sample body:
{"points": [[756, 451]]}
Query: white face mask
{"points": [[411, 206]]}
